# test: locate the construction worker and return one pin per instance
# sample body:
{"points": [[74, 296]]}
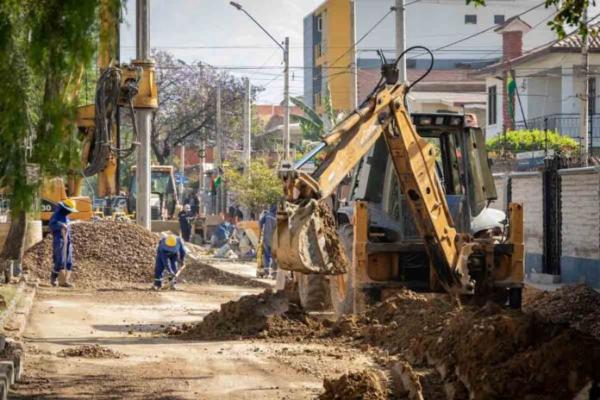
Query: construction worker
{"points": [[169, 254], [267, 224], [62, 246], [185, 222]]}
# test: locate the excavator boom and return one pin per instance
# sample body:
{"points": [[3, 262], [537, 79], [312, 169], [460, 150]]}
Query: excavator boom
{"points": [[414, 162]]}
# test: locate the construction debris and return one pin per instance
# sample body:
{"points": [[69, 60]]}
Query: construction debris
{"points": [[89, 351]]}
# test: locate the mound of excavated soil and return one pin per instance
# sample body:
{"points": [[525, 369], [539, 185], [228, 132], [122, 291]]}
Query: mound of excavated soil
{"points": [[113, 254], [577, 305], [489, 352], [363, 385], [103, 252], [89, 351], [261, 315]]}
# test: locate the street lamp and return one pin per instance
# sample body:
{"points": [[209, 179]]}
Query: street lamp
{"points": [[286, 80]]}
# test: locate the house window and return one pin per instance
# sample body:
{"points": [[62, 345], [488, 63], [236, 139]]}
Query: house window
{"points": [[499, 19], [470, 19], [320, 23], [492, 105]]}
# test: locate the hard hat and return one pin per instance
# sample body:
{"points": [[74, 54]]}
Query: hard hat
{"points": [[69, 205], [171, 240], [187, 207]]}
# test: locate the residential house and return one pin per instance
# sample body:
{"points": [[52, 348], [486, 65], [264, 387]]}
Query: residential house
{"points": [[271, 118], [549, 84], [330, 59]]}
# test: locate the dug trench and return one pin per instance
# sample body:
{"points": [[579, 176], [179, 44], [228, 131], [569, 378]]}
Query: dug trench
{"points": [[105, 339], [225, 336]]}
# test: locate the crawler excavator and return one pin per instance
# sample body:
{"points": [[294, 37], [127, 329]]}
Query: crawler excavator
{"points": [[417, 216]]}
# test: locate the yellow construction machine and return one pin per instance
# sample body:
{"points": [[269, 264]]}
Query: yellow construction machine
{"points": [[128, 86], [417, 216]]}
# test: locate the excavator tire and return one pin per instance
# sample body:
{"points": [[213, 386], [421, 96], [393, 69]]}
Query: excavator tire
{"points": [[341, 287], [313, 290]]}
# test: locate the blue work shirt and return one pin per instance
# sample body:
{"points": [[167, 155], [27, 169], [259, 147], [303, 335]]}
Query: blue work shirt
{"points": [[267, 224], [58, 223], [169, 256]]}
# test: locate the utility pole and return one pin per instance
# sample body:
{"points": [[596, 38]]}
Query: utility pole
{"points": [[143, 120], [286, 99], [401, 39], [181, 170], [218, 149], [584, 97], [201, 181], [247, 125]]}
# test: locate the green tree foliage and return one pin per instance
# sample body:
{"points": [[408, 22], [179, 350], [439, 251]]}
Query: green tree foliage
{"points": [[528, 140], [569, 12], [257, 189], [313, 125], [44, 47]]}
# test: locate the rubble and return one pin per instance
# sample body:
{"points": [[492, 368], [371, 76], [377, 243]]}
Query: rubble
{"points": [[89, 351]]}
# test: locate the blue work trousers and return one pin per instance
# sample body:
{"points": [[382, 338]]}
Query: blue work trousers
{"points": [[165, 261]]}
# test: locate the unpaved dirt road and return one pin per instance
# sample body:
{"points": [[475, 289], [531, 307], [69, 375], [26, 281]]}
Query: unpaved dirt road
{"points": [[159, 367]]}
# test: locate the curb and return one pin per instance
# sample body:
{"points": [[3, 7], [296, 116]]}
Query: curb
{"points": [[13, 323]]}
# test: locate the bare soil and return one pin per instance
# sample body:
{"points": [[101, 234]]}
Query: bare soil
{"points": [[90, 351]]}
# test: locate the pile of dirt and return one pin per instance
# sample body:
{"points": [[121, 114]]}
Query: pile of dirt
{"points": [[487, 352], [197, 272], [577, 305], [103, 252], [363, 385], [90, 351], [117, 254], [268, 314]]}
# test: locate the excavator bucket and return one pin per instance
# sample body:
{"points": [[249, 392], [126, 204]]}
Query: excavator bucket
{"points": [[306, 240]]}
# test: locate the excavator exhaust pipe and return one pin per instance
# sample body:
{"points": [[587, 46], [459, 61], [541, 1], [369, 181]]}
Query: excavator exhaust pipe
{"points": [[306, 240]]}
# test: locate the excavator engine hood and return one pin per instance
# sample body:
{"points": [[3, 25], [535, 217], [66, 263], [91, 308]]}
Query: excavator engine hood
{"points": [[306, 240]]}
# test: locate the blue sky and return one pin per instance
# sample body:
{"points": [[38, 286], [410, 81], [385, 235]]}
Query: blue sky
{"points": [[187, 27]]}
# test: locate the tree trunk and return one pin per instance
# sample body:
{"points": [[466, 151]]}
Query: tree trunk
{"points": [[15, 241]]}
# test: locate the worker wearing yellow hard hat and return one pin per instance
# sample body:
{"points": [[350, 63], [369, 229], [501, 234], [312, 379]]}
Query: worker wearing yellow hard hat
{"points": [[170, 255], [62, 246]]}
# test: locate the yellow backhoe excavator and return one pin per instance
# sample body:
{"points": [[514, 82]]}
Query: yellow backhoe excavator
{"points": [[129, 86], [418, 214]]}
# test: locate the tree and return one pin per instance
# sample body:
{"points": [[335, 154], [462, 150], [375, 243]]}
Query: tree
{"points": [[257, 189], [187, 105], [313, 125], [44, 47], [528, 140], [569, 12]]}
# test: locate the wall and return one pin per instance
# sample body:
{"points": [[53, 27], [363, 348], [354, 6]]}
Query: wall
{"points": [[308, 60], [434, 23], [579, 222], [580, 197], [526, 188]]}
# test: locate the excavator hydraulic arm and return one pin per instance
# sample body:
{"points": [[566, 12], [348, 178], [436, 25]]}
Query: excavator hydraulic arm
{"points": [[414, 162]]}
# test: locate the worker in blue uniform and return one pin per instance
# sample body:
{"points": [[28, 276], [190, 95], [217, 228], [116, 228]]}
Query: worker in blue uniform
{"points": [[169, 255], [62, 245], [267, 225]]}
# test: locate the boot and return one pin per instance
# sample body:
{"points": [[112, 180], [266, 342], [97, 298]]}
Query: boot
{"points": [[53, 280], [67, 281]]}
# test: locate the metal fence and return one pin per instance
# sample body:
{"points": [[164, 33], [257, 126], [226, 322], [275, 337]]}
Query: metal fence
{"points": [[566, 124]]}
